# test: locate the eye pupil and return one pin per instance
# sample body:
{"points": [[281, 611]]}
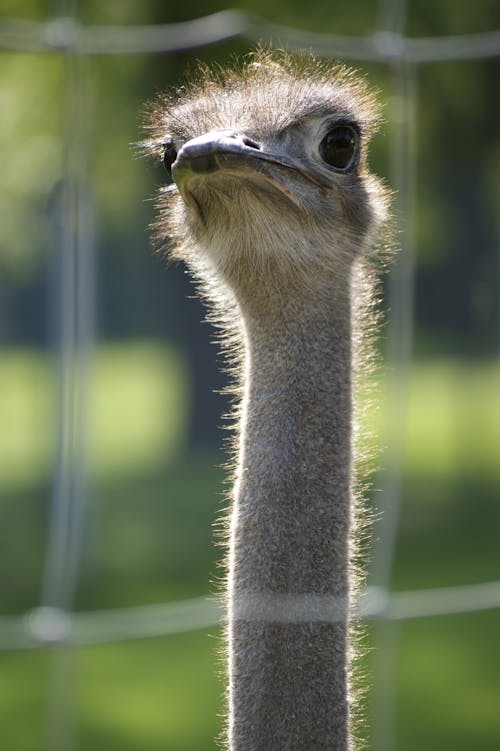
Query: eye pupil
{"points": [[339, 147], [169, 156]]}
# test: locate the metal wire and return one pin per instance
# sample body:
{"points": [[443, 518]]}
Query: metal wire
{"points": [[67, 34], [392, 20], [74, 290], [47, 626]]}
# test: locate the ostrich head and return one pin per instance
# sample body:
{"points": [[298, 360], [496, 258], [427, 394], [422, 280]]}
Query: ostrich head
{"points": [[271, 185]]}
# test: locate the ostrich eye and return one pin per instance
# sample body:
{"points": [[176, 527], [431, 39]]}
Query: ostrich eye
{"points": [[169, 156], [339, 147]]}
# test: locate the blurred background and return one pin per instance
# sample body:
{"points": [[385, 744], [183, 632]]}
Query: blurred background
{"points": [[111, 446]]}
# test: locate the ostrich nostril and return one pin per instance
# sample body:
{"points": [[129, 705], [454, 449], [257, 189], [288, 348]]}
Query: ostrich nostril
{"points": [[251, 143]]}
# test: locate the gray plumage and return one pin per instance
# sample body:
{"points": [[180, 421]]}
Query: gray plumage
{"points": [[275, 213]]}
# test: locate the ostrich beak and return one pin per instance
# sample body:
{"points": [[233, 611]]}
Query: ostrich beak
{"points": [[231, 150]]}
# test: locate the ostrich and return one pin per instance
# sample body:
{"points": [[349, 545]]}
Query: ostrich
{"points": [[274, 211]]}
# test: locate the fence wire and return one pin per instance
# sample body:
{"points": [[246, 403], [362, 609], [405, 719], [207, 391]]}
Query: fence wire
{"points": [[53, 624], [69, 35], [47, 626]]}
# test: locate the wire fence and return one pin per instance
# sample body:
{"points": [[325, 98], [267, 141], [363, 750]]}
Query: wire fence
{"points": [[48, 626], [54, 623], [68, 35]]}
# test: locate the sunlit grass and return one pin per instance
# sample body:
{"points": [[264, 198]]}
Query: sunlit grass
{"points": [[138, 696], [27, 415], [172, 702], [448, 684], [133, 416], [444, 414], [453, 417], [137, 402], [23, 693]]}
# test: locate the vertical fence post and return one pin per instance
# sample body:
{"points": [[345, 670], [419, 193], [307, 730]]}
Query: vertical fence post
{"points": [[73, 335], [401, 302]]}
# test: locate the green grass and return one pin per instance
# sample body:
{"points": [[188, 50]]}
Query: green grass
{"points": [[149, 538], [151, 695], [448, 688], [133, 414], [178, 676], [453, 419]]}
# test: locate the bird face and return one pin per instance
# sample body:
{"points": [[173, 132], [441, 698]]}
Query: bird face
{"points": [[230, 152], [283, 163], [269, 171]]}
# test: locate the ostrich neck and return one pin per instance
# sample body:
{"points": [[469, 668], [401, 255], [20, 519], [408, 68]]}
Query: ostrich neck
{"points": [[290, 527]]}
